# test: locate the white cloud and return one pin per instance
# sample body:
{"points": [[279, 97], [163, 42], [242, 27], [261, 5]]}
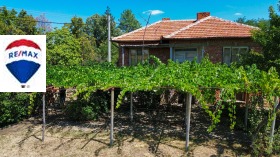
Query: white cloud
{"points": [[153, 12], [230, 6], [238, 14]]}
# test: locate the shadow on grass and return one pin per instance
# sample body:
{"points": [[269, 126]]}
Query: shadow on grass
{"points": [[161, 126], [30, 132], [154, 126]]}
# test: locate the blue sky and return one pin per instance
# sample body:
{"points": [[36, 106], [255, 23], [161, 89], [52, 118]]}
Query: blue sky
{"points": [[62, 11]]}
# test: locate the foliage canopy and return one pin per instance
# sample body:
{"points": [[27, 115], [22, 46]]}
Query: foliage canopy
{"points": [[268, 36], [196, 78]]}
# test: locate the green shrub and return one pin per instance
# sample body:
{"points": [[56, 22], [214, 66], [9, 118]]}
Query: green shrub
{"points": [[259, 127], [148, 99], [88, 113], [261, 145], [276, 144], [13, 107], [88, 106], [35, 104]]}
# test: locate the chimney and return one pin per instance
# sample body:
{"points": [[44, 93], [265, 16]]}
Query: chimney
{"points": [[166, 19], [202, 15]]}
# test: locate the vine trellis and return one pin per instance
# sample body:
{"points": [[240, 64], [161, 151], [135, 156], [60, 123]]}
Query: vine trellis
{"points": [[202, 80]]}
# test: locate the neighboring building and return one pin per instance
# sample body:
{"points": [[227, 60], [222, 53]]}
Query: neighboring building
{"points": [[181, 40]]}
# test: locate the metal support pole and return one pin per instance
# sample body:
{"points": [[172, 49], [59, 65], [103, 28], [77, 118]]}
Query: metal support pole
{"points": [[112, 118], [131, 106], [44, 118], [109, 38], [274, 120], [171, 53], [122, 56], [188, 118], [246, 111]]}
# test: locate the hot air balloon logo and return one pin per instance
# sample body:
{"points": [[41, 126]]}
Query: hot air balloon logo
{"points": [[23, 58]]}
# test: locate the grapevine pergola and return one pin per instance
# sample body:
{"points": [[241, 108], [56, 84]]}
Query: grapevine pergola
{"points": [[192, 78]]}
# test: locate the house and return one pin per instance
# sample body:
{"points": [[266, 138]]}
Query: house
{"points": [[181, 40]]}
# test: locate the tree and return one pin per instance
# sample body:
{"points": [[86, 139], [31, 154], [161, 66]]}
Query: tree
{"points": [[76, 27], [43, 25], [128, 22], [102, 52], [87, 49], [7, 21], [279, 5], [13, 23], [253, 22], [87, 43], [26, 23], [269, 38], [63, 48], [97, 26]]}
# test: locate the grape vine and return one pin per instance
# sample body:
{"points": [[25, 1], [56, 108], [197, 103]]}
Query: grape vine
{"points": [[203, 80]]}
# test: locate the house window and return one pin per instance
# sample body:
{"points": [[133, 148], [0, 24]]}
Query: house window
{"points": [[182, 55], [232, 54], [138, 56]]}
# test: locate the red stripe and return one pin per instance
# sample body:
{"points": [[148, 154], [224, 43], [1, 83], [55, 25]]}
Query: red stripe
{"points": [[23, 42]]}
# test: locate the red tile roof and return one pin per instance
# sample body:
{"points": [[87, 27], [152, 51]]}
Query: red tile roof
{"points": [[155, 31], [209, 27], [212, 27]]}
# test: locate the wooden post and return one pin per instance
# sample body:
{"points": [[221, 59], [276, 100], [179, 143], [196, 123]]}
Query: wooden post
{"points": [[274, 120], [44, 118], [131, 106], [112, 118], [188, 118]]}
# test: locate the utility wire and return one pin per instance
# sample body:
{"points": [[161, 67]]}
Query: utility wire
{"points": [[58, 15], [41, 12], [145, 31], [29, 20]]}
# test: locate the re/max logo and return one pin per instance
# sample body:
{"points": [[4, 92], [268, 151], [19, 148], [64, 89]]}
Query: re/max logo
{"points": [[23, 54]]}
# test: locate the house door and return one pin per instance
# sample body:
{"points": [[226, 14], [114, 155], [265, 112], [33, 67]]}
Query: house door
{"points": [[182, 55]]}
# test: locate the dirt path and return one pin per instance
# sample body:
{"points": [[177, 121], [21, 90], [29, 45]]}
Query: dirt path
{"points": [[153, 133]]}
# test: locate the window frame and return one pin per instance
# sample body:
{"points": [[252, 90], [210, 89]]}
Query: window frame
{"points": [[186, 49], [137, 50], [231, 56]]}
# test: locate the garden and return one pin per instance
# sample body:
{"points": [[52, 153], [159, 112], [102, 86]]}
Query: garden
{"points": [[157, 92]]}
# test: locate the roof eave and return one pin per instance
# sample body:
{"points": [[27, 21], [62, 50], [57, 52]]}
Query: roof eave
{"points": [[196, 38], [130, 41]]}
